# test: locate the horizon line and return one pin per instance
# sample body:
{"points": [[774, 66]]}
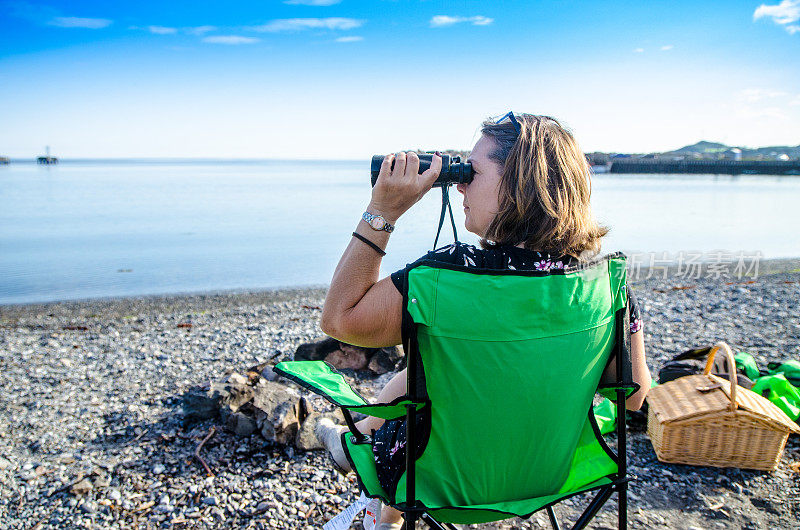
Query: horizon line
{"points": [[179, 159], [34, 157], [264, 159]]}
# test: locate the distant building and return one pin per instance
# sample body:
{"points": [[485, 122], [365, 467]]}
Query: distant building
{"points": [[784, 157], [734, 153]]}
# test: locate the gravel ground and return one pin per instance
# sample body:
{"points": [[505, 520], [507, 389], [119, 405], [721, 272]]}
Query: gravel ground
{"points": [[90, 393]]}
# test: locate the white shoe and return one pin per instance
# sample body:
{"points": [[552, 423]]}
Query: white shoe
{"points": [[329, 434], [388, 526]]}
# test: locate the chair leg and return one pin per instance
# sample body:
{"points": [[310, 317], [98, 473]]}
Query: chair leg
{"points": [[594, 507], [553, 520], [436, 525], [622, 493]]}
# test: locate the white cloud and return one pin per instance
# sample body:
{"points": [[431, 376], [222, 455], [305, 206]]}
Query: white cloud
{"points": [[444, 20], [79, 22], [350, 38], [765, 112], [481, 21], [439, 21], [45, 15], [667, 47], [638, 50], [765, 103], [311, 2], [752, 95], [784, 14], [230, 39], [300, 24], [200, 30], [161, 30]]}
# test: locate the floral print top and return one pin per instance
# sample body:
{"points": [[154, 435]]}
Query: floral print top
{"points": [[505, 257]]}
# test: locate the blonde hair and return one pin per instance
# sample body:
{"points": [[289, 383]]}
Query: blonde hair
{"points": [[545, 189]]}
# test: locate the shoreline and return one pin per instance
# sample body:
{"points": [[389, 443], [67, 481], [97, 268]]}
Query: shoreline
{"points": [[767, 266], [92, 388], [189, 296]]}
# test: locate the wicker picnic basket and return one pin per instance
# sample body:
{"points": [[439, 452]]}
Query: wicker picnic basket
{"points": [[704, 420]]}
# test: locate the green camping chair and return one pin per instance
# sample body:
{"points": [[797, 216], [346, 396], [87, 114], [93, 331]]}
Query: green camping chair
{"points": [[502, 367]]}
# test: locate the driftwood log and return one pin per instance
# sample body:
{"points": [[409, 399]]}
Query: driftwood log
{"points": [[348, 357], [260, 402]]}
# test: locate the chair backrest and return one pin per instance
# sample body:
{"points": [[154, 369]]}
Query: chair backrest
{"points": [[511, 362]]}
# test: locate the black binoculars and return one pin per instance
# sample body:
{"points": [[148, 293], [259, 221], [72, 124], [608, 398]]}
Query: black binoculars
{"points": [[454, 171]]}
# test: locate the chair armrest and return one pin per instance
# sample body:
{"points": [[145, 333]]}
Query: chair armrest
{"points": [[322, 379], [610, 391]]}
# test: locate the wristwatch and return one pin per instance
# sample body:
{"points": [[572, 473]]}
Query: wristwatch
{"points": [[377, 222]]}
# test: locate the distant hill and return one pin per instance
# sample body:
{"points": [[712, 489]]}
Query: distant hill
{"points": [[713, 148], [705, 150], [702, 147]]}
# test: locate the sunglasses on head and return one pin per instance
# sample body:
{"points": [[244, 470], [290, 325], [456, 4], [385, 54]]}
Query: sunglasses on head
{"points": [[509, 117]]}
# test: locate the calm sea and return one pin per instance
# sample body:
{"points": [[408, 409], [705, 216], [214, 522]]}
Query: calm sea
{"points": [[86, 229]]}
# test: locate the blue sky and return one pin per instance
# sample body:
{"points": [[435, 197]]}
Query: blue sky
{"points": [[328, 79]]}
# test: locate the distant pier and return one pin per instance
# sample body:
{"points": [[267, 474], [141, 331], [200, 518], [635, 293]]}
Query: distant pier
{"points": [[714, 167]]}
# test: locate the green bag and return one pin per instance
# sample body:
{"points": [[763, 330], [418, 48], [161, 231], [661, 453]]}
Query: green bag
{"points": [[780, 391], [605, 413], [790, 370], [746, 364]]}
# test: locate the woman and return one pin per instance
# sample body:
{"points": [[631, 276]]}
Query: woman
{"points": [[529, 201]]}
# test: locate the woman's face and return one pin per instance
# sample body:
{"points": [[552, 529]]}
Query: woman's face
{"points": [[482, 195]]}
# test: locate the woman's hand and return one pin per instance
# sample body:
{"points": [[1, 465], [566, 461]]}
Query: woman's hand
{"points": [[398, 189], [359, 309]]}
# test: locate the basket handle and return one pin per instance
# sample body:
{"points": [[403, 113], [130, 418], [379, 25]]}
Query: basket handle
{"points": [[731, 363]]}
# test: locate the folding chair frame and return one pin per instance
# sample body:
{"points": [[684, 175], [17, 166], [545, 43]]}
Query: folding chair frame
{"points": [[416, 397], [412, 511]]}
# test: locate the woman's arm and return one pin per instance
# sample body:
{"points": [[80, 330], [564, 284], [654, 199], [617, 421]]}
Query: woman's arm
{"points": [[359, 309], [641, 374]]}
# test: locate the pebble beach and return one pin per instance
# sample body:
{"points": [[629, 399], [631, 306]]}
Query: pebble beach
{"points": [[91, 432]]}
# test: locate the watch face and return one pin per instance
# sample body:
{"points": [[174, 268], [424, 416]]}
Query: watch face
{"points": [[377, 222]]}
